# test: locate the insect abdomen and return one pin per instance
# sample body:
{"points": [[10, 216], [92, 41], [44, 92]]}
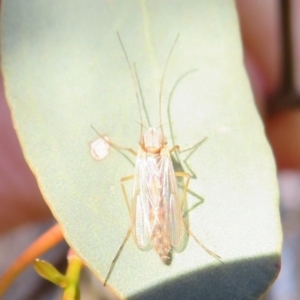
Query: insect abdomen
{"points": [[161, 239], [161, 243]]}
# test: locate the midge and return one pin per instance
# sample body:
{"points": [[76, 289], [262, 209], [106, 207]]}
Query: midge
{"points": [[156, 209]]}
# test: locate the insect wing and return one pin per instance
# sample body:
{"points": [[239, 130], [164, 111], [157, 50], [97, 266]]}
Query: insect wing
{"points": [[155, 200], [141, 207], [172, 203]]}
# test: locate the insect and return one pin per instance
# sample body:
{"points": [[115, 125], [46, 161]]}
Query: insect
{"points": [[156, 208]]}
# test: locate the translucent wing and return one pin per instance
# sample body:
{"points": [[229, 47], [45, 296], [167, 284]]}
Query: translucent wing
{"points": [[172, 201], [141, 206], [155, 201]]}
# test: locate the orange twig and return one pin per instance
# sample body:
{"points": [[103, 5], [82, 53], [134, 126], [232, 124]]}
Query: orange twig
{"points": [[45, 242]]}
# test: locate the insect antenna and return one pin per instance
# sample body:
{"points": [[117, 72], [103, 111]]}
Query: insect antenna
{"points": [[134, 83], [163, 77], [142, 96]]}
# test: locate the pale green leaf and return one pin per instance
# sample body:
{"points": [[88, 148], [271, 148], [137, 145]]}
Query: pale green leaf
{"points": [[64, 71]]}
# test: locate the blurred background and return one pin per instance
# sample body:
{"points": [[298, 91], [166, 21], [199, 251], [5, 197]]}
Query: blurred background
{"points": [[270, 31], [271, 38]]}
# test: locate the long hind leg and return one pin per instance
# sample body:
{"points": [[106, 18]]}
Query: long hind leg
{"points": [[176, 162], [183, 202], [128, 231], [117, 255]]}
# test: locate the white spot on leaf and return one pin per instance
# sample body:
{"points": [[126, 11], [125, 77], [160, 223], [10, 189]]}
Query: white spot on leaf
{"points": [[99, 148]]}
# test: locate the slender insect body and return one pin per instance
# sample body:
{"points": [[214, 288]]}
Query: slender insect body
{"points": [[156, 208], [157, 220]]}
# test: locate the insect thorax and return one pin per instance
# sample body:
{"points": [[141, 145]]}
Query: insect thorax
{"points": [[153, 140]]}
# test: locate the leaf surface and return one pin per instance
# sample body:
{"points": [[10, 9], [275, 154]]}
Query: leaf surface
{"points": [[64, 70]]}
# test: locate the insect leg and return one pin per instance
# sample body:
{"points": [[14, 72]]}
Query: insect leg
{"points": [[185, 191], [216, 256], [191, 173], [128, 231], [174, 148], [187, 175], [185, 188], [124, 190], [192, 150], [114, 145], [117, 256]]}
